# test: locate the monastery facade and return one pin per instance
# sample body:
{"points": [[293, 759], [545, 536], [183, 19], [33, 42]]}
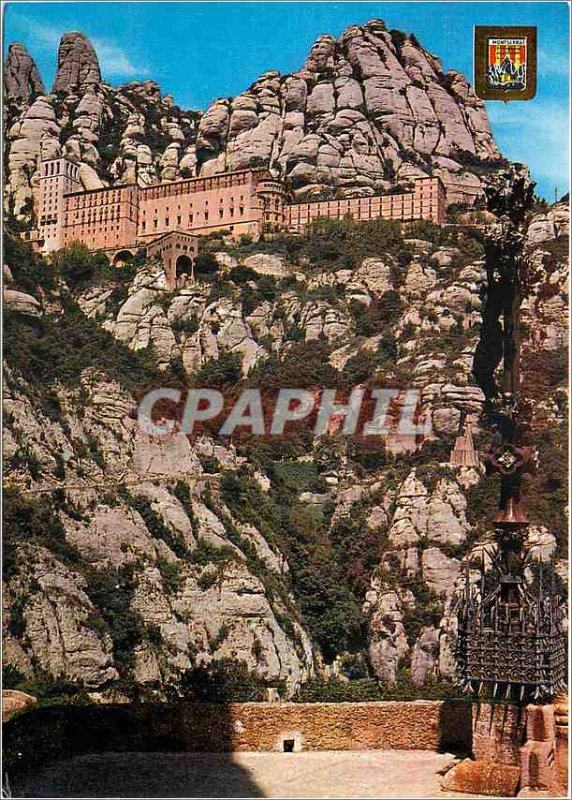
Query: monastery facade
{"points": [[167, 217]]}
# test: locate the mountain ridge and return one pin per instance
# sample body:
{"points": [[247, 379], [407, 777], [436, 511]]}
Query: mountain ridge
{"points": [[366, 113]]}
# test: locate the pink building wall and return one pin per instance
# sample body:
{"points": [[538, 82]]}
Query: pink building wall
{"points": [[242, 202], [426, 201]]}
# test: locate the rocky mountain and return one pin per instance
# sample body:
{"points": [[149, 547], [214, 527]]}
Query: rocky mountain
{"points": [[367, 112], [22, 81], [131, 560], [118, 135]]}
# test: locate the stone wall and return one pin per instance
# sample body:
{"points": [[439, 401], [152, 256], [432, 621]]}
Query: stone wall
{"points": [[499, 731], [49, 733]]}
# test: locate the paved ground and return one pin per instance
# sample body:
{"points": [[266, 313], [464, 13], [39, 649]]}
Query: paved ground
{"points": [[351, 774]]}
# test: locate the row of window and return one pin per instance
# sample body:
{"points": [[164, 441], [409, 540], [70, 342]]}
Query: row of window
{"points": [[156, 211], [177, 246], [397, 209], [192, 218], [60, 168], [362, 202], [199, 185], [96, 199], [296, 222]]}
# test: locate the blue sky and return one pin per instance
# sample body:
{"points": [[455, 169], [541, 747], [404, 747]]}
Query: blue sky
{"points": [[199, 51]]}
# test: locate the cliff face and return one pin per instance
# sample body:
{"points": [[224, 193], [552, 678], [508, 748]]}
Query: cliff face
{"points": [[366, 113], [117, 135], [22, 80], [132, 560], [129, 560]]}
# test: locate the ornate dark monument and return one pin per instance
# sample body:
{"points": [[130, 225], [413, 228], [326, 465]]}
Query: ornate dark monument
{"points": [[510, 642]]}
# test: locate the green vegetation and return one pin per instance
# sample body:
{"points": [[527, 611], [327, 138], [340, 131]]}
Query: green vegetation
{"points": [[31, 273], [345, 243], [426, 611], [221, 372], [206, 265], [327, 605], [187, 326], [358, 549], [172, 575], [206, 554], [47, 691], [304, 364], [369, 690], [157, 528], [31, 521], [69, 343], [111, 592], [221, 681], [78, 266]]}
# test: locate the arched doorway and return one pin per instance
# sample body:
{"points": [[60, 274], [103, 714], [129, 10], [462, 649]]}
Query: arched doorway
{"points": [[122, 257], [183, 268]]}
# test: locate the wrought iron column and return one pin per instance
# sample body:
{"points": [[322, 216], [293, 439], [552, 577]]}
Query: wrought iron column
{"points": [[510, 642]]}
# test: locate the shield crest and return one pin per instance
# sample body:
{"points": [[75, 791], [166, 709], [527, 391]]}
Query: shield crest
{"points": [[505, 62]]}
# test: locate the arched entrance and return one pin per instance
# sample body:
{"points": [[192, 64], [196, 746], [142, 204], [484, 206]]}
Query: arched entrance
{"points": [[183, 268], [122, 257]]}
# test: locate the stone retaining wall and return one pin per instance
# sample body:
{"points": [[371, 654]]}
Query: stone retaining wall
{"points": [[54, 732]]}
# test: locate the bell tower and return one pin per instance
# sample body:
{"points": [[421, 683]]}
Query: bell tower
{"points": [[58, 177]]}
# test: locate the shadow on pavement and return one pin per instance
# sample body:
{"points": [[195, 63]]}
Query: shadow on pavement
{"points": [[126, 750], [140, 775]]}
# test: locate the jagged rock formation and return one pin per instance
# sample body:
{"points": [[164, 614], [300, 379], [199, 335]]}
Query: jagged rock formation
{"points": [[367, 113], [78, 66], [135, 555], [132, 133], [140, 566], [22, 81], [414, 322]]}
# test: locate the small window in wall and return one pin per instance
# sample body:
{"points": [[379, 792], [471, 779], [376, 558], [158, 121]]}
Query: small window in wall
{"points": [[288, 745]]}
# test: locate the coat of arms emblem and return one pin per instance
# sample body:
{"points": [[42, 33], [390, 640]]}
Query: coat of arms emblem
{"points": [[505, 63], [506, 69]]}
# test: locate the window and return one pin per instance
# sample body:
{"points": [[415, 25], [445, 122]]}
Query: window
{"points": [[179, 220]]}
